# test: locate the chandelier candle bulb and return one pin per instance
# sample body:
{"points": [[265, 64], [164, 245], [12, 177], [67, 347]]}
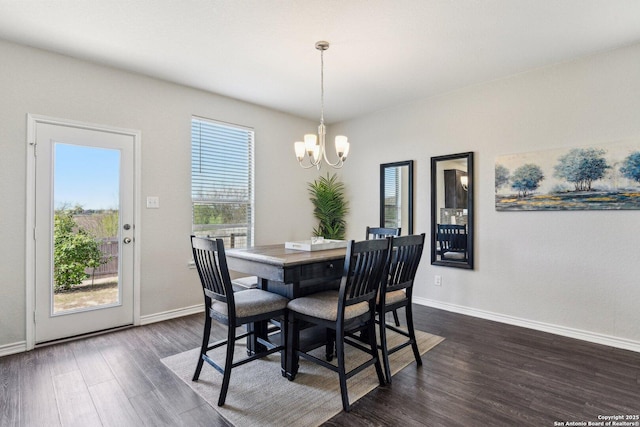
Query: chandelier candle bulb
{"points": [[342, 147], [310, 142], [299, 147]]}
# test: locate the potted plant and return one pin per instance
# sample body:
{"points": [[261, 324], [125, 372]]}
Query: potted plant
{"points": [[330, 207]]}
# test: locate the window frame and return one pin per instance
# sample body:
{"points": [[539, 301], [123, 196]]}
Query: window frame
{"points": [[216, 181]]}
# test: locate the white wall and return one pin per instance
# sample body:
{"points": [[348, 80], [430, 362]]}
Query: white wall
{"points": [[575, 273], [38, 82], [571, 272]]}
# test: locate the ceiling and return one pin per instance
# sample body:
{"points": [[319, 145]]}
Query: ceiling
{"points": [[383, 53]]}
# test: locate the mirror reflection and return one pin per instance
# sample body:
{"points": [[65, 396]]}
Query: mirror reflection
{"points": [[452, 210], [396, 196]]}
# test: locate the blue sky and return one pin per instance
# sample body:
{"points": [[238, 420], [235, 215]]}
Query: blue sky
{"points": [[87, 176]]}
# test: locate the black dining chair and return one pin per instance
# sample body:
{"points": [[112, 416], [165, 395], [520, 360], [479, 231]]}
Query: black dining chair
{"points": [[345, 312], [396, 292], [452, 241], [381, 233], [231, 309]]}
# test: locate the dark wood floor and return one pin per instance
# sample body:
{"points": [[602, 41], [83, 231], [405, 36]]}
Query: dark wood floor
{"points": [[484, 373]]}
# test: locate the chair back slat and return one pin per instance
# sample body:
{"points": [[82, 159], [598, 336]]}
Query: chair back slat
{"points": [[365, 264], [405, 258], [452, 237], [211, 263], [382, 232]]}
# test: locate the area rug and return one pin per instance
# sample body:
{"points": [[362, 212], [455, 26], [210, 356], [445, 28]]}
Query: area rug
{"points": [[259, 395]]}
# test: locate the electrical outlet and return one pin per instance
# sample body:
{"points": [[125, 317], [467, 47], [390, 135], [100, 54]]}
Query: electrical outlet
{"points": [[153, 202], [437, 280]]}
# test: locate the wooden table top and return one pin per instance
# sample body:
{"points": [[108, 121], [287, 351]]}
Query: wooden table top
{"points": [[278, 255]]}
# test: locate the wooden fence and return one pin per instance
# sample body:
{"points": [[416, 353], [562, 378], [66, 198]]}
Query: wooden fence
{"points": [[109, 249]]}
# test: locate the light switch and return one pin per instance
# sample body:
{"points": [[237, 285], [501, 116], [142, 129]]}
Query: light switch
{"points": [[153, 202]]}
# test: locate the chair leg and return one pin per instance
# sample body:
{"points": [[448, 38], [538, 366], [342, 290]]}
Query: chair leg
{"points": [[342, 370], [384, 348], [205, 344], [395, 317], [412, 334], [374, 349], [330, 346], [231, 341]]}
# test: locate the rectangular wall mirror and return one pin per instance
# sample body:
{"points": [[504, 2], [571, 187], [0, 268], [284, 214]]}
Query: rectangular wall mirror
{"points": [[452, 210], [396, 196]]}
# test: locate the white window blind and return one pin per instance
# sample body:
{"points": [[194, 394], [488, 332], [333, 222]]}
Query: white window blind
{"points": [[222, 181]]}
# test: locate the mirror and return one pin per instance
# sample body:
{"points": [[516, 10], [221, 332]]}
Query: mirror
{"points": [[452, 210], [396, 196]]}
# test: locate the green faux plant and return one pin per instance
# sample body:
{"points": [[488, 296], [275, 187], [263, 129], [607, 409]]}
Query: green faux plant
{"points": [[330, 207]]}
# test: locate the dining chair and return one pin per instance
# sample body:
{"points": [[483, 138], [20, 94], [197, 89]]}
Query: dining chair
{"points": [[345, 312], [452, 241], [381, 233], [231, 309], [396, 292]]}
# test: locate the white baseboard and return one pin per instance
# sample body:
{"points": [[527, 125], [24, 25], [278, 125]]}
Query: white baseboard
{"points": [[20, 347], [532, 324], [13, 348], [622, 343], [171, 314]]}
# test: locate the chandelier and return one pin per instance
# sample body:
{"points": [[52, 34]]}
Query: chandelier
{"points": [[314, 145]]}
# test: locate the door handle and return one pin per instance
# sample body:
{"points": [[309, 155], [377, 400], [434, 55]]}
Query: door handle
{"points": [[126, 240]]}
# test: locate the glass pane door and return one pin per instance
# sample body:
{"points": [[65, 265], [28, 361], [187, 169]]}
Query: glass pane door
{"points": [[84, 231], [86, 218]]}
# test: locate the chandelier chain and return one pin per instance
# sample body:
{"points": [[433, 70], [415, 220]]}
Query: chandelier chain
{"points": [[322, 86]]}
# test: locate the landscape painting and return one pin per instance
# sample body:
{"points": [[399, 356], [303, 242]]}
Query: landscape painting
{"points": [[596, 177]]}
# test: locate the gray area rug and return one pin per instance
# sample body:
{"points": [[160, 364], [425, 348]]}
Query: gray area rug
{"points": [[260, 396]]}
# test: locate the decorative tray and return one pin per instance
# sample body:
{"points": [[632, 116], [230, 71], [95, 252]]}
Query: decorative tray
{"points": [[320, 245]]}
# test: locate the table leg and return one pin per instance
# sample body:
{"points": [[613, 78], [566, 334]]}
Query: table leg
{"points": [[259, 329]]}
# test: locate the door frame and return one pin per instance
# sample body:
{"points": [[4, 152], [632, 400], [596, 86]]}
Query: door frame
{"points": [[32, 122]]}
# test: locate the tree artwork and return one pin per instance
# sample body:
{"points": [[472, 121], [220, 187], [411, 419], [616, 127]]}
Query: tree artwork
{"points": [[576, 178], [582, 166], [502, 176], [526, 179], [631, 166]]}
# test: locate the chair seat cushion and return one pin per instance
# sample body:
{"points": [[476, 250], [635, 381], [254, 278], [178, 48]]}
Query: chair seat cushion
{"points": [[324, 305], [252, 302], [454, 255], [394, 296]]}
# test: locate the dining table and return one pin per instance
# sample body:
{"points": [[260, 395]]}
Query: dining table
{"points": [[288, 272]]}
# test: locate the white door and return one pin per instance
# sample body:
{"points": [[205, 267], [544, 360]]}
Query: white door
{"points": [[84, 230]]}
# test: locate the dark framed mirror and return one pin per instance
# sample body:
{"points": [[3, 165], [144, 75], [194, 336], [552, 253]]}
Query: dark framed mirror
{"points": [[396, 196], [452, 210]]}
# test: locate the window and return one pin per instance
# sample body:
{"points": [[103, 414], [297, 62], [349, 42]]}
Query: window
{"points": [[392, 197], [222, 182]]}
